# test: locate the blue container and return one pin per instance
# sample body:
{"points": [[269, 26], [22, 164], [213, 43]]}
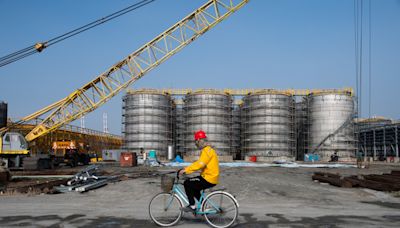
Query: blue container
{"points": [[152, 154], [311, 157]]}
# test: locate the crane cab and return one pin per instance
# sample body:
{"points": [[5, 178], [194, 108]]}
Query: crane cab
{"points": [[13, 147]]}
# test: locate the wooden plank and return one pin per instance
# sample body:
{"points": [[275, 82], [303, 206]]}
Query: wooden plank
{"points": [[355, 182], [333, 175], [384, 178], [375, 185], [332, 181], [396, 177], [395, 172]]}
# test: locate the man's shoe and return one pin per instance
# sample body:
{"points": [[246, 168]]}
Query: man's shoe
{"points": [[188, 209]]}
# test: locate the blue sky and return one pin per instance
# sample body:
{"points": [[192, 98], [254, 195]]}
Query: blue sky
{"points": [[267, 44]]}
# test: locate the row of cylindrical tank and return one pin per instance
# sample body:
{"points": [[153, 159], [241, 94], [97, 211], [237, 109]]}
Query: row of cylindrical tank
{"points": [[266, 124]]}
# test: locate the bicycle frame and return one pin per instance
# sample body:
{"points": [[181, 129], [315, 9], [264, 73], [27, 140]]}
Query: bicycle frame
{"points": [[177, 190], [165, 208]]}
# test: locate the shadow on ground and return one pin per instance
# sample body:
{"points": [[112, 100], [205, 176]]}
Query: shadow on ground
{"points": [[81, 221], [384, 204], [324, 221], [245, 220]]}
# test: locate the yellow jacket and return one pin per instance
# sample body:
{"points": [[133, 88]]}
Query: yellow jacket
{"points": [[208, 163]]}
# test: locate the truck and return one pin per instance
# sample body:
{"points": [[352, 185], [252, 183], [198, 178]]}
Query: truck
{"points": [[70, 153]]}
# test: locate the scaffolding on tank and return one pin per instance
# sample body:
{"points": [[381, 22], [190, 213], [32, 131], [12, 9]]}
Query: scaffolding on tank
{"points": [[330, 124], [211, 111], [148, 121], [297, 138], [268, 124]]}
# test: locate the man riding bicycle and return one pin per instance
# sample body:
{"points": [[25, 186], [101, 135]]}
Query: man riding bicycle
{"points": [[209, 166]]}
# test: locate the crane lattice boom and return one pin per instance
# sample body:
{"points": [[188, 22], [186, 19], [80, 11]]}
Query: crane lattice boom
{"points": [[136, 65]]}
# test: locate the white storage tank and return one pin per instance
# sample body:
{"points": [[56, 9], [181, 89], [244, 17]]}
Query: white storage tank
{"points": [[148, 121], [210, 111], [267, 125], [331, 127]]}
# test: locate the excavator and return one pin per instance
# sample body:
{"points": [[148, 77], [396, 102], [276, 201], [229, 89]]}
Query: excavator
{"points": [[14, 147]]}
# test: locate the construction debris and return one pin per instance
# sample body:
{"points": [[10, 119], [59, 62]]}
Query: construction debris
{"points": [[33, 187], [333, 179], [86, 180], [385, 182], [41, 177], [68, 180], [4, 177]]}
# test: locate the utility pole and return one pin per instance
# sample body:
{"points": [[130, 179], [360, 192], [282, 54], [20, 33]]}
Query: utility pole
{"points": [[105, 124], [82, 124]]}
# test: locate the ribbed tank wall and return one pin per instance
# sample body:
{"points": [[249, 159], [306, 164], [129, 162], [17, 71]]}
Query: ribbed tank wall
{"points": [[236, 130], [267, 125], [147, 119], [327, 114], [210, 112], [3, 114]]}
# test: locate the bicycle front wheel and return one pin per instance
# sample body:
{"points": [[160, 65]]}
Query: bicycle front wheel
{"points": [[220, 209], [165, 209]]}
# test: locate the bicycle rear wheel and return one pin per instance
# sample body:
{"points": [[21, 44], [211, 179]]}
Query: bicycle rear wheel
{"points": [[220, 209], [165, 209]]}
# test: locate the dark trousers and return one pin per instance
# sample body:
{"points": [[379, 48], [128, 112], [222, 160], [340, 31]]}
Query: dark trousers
{"points": [[193, 186]]}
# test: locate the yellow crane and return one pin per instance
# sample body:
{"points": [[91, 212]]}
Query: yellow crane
{"points": [[119, 76]]}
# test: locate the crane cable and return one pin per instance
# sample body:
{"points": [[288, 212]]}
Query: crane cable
{"points": [[358, 59], [370, 59], [39, 47], [358, 37], [358, 40]]}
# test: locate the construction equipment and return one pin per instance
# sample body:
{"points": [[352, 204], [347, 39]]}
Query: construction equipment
{"points": [[13, 147], [70, 153], [122, 74]]}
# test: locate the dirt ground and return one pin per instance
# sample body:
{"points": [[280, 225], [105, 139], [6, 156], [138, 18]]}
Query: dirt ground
{"points": [[268, 197]]}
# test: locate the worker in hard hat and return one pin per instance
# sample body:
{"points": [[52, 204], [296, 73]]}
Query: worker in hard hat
{"points": [[209, 166]]}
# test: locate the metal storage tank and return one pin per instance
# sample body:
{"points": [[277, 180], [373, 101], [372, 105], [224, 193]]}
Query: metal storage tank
{"points": [[210, 111], [331, 123], [267, 124], [3, 114], [147, 120]]}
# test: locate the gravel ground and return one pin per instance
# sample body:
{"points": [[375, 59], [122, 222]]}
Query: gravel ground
{"points": [[268, 197]]}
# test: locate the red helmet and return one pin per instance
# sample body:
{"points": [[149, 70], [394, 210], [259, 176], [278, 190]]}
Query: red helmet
{"points": [[199, 135]]}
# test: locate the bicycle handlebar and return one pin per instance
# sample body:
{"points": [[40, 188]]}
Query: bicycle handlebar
{"points": [[171, 172]]}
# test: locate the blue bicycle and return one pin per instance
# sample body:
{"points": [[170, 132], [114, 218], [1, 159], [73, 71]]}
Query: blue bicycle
{"points": [[219, 208]]}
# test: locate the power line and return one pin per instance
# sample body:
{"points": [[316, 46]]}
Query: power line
{"points": [[358, 45], [39, 47], [356, 17], [361, 54]]}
